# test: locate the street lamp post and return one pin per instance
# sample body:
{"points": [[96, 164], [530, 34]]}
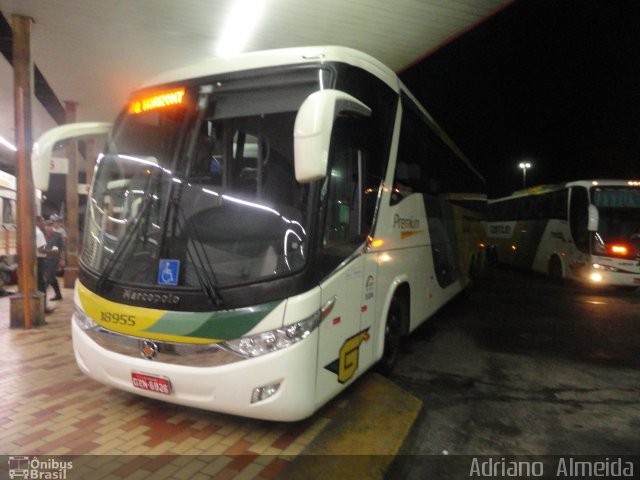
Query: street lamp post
{"points": [[524, 166]]}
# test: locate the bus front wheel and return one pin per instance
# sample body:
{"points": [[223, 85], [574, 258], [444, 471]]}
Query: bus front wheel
{"points": [[392, 337]]}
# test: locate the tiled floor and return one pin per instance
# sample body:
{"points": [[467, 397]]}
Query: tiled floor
{"points": [[50, 408]]}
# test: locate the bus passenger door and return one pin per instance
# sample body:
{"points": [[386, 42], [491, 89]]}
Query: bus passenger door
{"points": [[368, 311], [349, 206], [341, 336]]}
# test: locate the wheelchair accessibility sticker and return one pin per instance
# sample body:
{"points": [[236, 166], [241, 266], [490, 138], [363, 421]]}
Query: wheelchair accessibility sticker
{"points": [[168, 271]]}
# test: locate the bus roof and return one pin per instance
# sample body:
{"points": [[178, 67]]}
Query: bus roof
{"points": [[285, 56], [602, 182], [540, 189], [537, 190]]}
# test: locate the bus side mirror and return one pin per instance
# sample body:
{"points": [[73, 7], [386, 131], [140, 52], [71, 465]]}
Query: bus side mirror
{"points": [[594, 218], [42, 151], [313, 127]]}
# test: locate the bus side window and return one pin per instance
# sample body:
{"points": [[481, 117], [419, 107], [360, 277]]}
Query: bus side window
{"points": [[343, 206], [8, 209], [440, 174], [410, 175], [353, 186], [578, 214]]}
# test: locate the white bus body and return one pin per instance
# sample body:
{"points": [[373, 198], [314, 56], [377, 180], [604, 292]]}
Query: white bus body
{"points": [[262, 230], [588, 231]]}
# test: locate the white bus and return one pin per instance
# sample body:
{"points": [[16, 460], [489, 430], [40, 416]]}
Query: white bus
{"points": [[262, 230], [584, 230], [8, 212]]}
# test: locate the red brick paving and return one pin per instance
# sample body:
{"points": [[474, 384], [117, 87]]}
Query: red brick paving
{"points": [[50, 408]]}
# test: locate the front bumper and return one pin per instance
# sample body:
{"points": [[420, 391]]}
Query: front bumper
{"points": [[225, 388]]}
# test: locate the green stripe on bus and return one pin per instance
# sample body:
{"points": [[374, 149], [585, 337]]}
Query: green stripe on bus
{"points": [[223, 325]]}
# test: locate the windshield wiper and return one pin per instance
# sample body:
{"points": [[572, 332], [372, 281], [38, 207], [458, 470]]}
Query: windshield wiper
{"points": [[198, 257], [123, 245]]}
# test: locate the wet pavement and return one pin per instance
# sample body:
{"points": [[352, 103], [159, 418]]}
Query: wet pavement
{"points": [[522, 366]]}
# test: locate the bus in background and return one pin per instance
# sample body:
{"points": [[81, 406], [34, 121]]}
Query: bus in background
{"points": [[9, 214], [261, 230], [585, 230]]}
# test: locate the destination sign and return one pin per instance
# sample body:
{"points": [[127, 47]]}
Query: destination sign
{"points": [[156, 101]]}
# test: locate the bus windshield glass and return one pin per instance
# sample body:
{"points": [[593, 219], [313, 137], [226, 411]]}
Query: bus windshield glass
{"points": [[619, 216], [197, 185]]}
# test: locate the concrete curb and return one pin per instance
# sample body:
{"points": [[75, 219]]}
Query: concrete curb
{"points": [[364, 437]]}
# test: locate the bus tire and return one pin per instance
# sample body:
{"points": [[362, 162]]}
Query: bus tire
{"points": [[392, 335], [554, 269]]}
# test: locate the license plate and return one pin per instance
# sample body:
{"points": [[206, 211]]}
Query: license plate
{"points": [[151, 383]]}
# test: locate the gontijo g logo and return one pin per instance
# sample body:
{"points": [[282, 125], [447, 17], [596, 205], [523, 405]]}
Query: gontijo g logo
{"points": [[346, 365]]}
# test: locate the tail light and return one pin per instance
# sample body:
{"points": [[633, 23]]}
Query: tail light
{"points": [[619, 249]]}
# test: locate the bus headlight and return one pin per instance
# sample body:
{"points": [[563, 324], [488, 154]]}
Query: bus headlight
{"points": [[596, 277], [273, 340], [84, 321], [605, 268]]}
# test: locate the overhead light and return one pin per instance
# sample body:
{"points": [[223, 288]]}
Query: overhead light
{"points": [[239, 26], [7, 144]]}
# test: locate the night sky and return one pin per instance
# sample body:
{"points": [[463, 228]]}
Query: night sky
{"points": [[556, 83]]}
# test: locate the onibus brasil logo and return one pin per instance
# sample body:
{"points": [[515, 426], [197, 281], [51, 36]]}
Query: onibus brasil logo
{"points": [[34, 468]]}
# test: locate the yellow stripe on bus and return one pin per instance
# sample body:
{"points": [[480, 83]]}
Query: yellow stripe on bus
{"points": [[127, 319], [408, 233]]}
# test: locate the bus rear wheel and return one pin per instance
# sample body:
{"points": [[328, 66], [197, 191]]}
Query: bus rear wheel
{"points": [[392, 337]]}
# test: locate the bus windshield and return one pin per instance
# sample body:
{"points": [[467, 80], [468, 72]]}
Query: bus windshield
{"points": [[203, 179], [619, 215]]}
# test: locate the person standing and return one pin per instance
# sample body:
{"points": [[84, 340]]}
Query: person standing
{"points": [[54, 259], [41, 254], [59, 228]]}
